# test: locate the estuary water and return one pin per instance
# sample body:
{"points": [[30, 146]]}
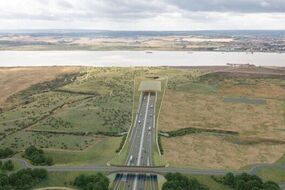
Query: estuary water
{"points": [[136, 58]]}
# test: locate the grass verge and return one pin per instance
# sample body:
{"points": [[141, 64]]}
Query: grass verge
{"points": [[98, 154], [272, 174], [209, 182], [61, 179]]}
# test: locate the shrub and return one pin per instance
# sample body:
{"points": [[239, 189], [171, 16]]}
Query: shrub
{"points": [[177, 181], [5, 153], [92, 182], [7, 165], [22, 179], [37, 156], [122, 143], [247, 181]]}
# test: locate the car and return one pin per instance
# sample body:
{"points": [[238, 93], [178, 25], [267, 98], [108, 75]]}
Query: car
{"points": [[131, 158], [149, 128]]}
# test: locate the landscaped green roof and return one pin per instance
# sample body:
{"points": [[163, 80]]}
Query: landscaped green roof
{"points": [[150, 85]]}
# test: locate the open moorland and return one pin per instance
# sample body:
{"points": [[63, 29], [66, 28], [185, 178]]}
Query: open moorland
{"points": [[208, 117], [46, 110], [78, 115], [13, 80], [226, 119]]}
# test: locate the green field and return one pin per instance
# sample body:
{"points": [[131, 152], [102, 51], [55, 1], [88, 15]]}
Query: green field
{"points": [[272, 174], [61, 179], [108, 111], [98, 154], [67, 113], [35, 108], [21, 140], [209, 182]]}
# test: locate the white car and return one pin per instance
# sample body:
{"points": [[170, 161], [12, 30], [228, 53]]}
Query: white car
{"points": [[131, 158]]}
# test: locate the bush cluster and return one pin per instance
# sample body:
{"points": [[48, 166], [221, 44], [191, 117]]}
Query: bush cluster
{"points": [[160, 145], [186, 131], [177, 181], [37, 156], [92, 182], [5, 153], [121, 143], [22, 180], [6, 165], [246, 181]]}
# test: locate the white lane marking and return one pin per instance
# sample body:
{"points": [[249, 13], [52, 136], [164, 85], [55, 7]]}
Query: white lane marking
{"points": [[143, 131], [135, 131], [142, 139]]}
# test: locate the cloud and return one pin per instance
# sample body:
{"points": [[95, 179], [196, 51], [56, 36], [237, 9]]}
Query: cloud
{"points": [[142, 14], [241, 6]]}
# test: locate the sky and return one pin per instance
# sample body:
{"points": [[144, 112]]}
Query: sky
{"points": [[142, 14]]}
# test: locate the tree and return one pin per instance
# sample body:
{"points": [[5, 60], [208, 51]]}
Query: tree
{"points": [[270, 185], [32, 150], [240, 185], [8, 165], [246, 181], [4, 181], [177, 181], [39, 173], [37, 156], [23, 179], [92, 182], [229, 179], [5, 153]]}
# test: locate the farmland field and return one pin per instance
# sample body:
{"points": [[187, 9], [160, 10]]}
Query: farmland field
{"points": [[245, 117]]}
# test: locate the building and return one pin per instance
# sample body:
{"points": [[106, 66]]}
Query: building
{"points": [[240, 65]]}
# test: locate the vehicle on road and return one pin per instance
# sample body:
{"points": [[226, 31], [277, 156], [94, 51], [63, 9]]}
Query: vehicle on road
{"points": [[131, 158]]}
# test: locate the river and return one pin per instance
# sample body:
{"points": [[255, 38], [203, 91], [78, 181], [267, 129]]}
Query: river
{"points": [[136, 58]]}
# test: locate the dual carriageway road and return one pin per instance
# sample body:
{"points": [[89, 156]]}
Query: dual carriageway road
{"points": [[140, 152]]}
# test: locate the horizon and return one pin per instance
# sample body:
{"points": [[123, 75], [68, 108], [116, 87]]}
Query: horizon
{"points": [[102, 30]]}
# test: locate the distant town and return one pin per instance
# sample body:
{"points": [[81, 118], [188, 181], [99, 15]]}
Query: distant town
{"points": [[222, 41]]}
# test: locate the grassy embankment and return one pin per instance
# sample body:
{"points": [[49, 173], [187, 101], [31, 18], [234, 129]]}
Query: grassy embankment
{"points": [[140, 75]]}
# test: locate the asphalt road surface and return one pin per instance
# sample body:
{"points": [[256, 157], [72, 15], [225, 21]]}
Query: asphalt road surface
{"points": [[127, 169], [140, 153]]}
